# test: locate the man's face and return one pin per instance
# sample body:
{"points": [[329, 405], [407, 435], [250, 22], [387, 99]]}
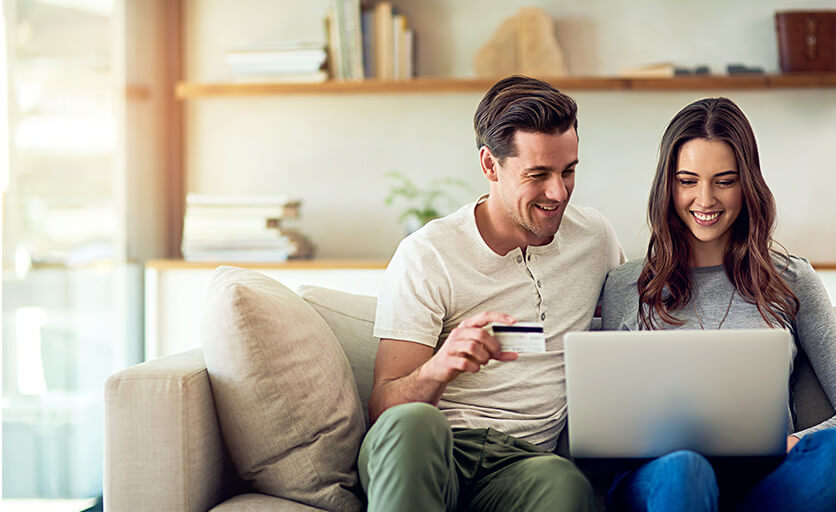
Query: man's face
{"points": [[535, 186]]}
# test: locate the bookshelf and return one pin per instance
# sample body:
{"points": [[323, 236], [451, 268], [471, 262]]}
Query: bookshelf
{"points": [[189, 90]]}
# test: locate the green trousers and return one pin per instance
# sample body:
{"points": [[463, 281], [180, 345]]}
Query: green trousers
{"points": [[412, 460]]}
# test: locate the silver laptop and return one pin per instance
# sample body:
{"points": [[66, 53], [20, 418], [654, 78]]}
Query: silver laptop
{"points": [[647, 393]]}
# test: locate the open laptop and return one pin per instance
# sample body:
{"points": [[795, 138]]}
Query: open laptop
{"points": [[641, 394]]}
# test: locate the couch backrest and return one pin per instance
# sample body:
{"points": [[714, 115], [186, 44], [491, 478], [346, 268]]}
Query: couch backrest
{"points": [[351, 317]]}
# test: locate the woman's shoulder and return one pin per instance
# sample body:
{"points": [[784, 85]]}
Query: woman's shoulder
{"points": [[630, 269], [625, 275], [793, 269]]}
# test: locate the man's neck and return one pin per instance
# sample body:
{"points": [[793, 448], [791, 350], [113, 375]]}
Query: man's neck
{"points": [[498, 233]]}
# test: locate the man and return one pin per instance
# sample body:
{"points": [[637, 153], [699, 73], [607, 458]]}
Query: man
{"points": [[457, 422]]}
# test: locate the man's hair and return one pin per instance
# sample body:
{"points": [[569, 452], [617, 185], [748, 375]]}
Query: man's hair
{"points": [[521, 103]]}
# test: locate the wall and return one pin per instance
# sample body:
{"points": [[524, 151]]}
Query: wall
{"points": [[333, 150]]}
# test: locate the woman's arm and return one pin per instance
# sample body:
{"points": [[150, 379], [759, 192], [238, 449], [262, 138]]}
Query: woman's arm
{"points": [[816, 333]]}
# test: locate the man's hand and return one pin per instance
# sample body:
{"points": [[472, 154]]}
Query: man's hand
{"points": [[791, 441], [410, 372], [467, 348]]}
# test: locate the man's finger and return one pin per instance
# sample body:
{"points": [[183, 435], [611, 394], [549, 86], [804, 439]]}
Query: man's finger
{"points": [[507, 356], [486, 317]]}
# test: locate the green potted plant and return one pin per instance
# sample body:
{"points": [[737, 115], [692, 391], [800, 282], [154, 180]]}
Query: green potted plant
{"points": [[422, 203]]}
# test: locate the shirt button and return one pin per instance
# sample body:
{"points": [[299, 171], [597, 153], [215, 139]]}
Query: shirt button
{"points": [[542, 316], [529, 257], [519, 259], [539, 284]]}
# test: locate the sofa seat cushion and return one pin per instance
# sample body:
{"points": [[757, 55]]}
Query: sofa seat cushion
{"points": [[261, 503], [286, 398]]}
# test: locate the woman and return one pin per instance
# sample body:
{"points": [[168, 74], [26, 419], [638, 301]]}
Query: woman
{"points": [[710, 264]]}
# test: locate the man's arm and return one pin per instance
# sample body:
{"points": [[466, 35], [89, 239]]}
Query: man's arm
{"points": [[405, 371]]}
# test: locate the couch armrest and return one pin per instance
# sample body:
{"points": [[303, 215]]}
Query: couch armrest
{"points": [[163, 445]]}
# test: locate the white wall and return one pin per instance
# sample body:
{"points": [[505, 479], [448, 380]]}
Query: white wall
{"points": [[332, 150]]}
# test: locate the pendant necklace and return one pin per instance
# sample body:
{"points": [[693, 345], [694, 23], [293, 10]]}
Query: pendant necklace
{"points": [[728, 308]]}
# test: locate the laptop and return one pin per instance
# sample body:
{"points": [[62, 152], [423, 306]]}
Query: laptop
{"points": [[642, 394]]}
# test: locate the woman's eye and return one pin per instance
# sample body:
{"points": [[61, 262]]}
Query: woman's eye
{"points": [[725, 183], [687, 182]]}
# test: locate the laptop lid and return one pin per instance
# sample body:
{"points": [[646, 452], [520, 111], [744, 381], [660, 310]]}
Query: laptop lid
{"points": [[637, 394]]}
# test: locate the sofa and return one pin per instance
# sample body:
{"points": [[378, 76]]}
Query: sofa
{"points": [[173, 444]]}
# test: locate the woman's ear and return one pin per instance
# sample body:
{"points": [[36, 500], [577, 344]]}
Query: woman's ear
{"points": [[490, 166]]}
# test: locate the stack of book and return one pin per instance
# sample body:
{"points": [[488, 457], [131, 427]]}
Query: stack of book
{"points": [[242, 229], [293, 61], [373, 43]]}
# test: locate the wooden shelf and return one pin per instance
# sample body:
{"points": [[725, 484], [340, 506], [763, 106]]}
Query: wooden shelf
{"points": [[186, 90], [314, 264], [317, 264]]}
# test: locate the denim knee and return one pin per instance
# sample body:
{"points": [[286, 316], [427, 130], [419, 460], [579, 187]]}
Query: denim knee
{"points": [[691, 467], [683, 480]]}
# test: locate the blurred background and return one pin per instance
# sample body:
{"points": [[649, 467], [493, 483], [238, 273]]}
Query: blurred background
{"points": [[98, 154]]}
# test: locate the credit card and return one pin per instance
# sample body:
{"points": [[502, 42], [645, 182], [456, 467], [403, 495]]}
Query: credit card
{"points": [[519, 337]]}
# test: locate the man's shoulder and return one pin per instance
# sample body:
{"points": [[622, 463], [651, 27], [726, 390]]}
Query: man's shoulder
{"points": [[444, 230], [584, 219]]}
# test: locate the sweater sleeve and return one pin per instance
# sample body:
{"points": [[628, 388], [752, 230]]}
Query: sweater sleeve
{"points": [[620, 298], [815, 331]]}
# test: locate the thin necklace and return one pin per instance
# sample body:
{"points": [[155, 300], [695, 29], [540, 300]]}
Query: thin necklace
{"points": [[728, 308]]}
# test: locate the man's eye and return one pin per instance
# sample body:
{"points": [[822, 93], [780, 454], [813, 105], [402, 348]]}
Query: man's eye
{"points": [[537, 176], [568, 172]]}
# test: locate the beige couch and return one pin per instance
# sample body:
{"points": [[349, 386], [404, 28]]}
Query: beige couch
{"points": [[164, 445]]}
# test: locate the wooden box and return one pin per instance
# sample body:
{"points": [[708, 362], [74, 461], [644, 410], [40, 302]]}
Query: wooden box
{"points": [[806, 40]]}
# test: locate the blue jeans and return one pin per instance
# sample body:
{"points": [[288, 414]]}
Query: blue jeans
{"points": [[686, 481]]}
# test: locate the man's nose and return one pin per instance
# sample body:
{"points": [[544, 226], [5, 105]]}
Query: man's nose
{"points": [[556, 190]]}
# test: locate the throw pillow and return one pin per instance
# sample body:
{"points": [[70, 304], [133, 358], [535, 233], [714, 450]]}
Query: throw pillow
{"points": [[285, 395], [351, 318]]}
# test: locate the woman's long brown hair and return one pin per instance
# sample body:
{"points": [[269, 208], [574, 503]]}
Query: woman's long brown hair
{"points": [[664, 284]]}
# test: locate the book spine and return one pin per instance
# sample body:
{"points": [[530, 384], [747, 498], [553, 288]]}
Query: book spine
{"points": [[368, 43], [354, 34], [383, 41], [332, 35]]}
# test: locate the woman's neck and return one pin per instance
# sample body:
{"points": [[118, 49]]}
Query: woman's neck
{"points": [[707, 254]]}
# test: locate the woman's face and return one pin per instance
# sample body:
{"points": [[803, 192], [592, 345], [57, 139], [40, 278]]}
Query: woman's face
{"points": [[707, 196]]}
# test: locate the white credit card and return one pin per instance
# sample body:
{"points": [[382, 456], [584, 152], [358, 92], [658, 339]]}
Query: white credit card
{"points": [[519, 337]]}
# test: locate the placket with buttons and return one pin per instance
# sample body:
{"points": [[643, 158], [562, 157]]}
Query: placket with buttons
{"points": [[538, 285]]}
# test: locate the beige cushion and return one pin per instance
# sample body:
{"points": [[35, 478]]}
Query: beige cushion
{"points": [[285, 395], [261, 503], [351, 317]]}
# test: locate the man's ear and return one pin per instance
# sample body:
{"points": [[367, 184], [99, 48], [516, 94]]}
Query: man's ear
{"points": [[490, 165]]}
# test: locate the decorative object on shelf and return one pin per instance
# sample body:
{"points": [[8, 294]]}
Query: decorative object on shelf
{"points": [[422, 202], [662, 70], [806, 40], [525, 43], [741, 69], [242, 229], [290, 61]]}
